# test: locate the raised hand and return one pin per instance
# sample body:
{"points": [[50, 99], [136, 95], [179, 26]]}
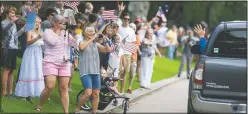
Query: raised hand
{"points": [[200, 31], [14, 19], [121, 6]]}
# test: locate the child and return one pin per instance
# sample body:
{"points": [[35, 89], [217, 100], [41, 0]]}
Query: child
{"points": [[31, 83], [115, 57], [104, 74], [10, 49]]}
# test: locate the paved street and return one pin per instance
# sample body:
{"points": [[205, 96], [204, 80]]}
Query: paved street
{"points": [[172, 98]]}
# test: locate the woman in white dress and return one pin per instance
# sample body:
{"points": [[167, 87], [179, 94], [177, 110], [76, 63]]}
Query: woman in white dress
{"points": [[31, 82], [148, 49]]}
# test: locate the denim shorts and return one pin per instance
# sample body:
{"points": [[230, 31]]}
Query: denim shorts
{"points": [[91, 81]]}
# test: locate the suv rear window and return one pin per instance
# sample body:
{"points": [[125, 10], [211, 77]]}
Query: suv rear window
{"points": [[230, 43]]}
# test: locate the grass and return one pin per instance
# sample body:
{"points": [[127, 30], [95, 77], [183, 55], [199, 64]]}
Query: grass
{"points": [[163, 68]]}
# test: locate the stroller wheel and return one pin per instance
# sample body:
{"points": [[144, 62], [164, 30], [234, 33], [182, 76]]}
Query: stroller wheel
{"points": [[87, 106], [125, 106], [115, 102]]}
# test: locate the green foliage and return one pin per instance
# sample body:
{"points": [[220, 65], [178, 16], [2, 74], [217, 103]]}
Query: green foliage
{"points": [[193, 13], [163, 68]]}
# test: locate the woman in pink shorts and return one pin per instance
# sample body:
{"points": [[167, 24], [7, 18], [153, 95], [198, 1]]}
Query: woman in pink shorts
{"points": [[56, 64]]}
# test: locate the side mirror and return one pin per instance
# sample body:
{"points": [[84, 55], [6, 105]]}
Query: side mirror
{"points": [[195, 49]]}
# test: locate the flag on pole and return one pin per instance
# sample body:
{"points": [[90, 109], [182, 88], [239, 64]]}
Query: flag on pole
{"points": [[109, 15], [72, 4], [113, 50], [160, 13]]}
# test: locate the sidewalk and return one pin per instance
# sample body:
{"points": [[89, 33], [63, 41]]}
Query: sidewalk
{"points": [[138, 93]]}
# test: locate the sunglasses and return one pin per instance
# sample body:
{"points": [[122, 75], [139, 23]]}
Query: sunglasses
{"points": [[61, 23], [126, 19]]}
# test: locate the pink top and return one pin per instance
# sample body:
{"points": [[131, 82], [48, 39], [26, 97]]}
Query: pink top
{"points": [[56, 47]]}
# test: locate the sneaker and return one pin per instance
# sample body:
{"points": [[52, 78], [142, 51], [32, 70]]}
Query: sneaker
{"points": [[143, 87], [23, 99], [148, 88], [30, 99], [76, 69]]}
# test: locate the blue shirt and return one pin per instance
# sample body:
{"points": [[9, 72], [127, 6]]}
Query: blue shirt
{"points": [[203, 42], [107, 54], [101, 21]]}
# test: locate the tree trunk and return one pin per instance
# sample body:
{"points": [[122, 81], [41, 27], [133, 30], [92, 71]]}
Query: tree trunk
{"points": [[209, 12]]}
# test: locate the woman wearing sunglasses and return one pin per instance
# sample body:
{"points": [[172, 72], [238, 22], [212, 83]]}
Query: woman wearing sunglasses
{"points": [[56, 64]]}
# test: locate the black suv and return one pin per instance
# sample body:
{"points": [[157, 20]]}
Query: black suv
{"points": [[218, 83]]}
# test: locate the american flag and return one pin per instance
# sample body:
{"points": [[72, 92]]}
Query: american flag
{"points": [[113, 50], [160, 13], [72, 4], [109, 15], [130, 47]]}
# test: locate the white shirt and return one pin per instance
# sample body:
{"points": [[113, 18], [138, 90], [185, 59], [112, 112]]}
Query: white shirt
{"points": [[127, 34], [114, 60], [67, 13]]}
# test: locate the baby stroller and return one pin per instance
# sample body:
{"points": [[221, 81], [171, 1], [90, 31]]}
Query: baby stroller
{"points": [[106, 96]]}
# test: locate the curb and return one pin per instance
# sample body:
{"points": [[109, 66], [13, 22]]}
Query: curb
{"points": [[139, 93]]}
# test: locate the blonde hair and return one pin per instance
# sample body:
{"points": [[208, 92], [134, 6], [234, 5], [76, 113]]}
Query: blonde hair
{"points": [[89, 28], [88, 3]]}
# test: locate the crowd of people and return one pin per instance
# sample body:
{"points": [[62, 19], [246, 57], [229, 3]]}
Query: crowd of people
{"points": [[94, 46]]}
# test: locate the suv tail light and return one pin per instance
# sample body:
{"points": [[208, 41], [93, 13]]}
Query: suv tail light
{"points": [[197, 77]]}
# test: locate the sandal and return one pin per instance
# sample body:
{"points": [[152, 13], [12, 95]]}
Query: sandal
{"points": [[38, 109]]}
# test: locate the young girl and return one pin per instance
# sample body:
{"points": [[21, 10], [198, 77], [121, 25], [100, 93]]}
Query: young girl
{"points": [[31, 81], [115, 57]]}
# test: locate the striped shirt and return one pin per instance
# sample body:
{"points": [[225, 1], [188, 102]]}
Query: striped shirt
{"points": [[56, 47]]}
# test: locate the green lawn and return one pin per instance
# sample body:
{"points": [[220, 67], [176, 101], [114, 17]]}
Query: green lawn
{"points": [[163, 68]]}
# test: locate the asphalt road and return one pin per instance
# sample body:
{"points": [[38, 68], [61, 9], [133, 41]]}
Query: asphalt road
{"points": [[169, 99]]}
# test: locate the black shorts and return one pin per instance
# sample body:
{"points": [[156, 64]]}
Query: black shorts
{"points": [[8, 59]]}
